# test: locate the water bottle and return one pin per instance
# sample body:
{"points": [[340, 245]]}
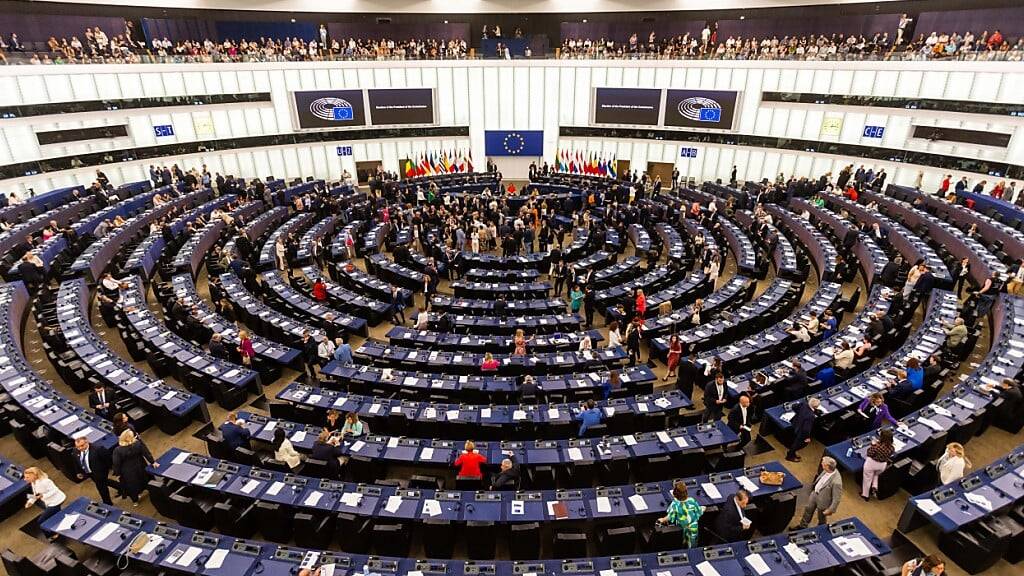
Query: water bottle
{"points": [[849, 452], [366, 570]]}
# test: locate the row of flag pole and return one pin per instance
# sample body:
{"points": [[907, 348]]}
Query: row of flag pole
{"points": [[434, 163], [592, 164]]}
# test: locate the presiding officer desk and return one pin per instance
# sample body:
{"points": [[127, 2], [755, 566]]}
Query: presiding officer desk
{"points": [[381, 353], [171, 408], [923, 434], [437, 418], [679, 449], [222, 480], [411, 385], [111, 530]]}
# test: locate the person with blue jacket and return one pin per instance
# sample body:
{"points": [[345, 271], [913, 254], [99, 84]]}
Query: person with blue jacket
{"points": [[590, 416], [235, 434]]}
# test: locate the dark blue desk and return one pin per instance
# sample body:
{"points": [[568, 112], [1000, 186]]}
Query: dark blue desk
{"points": [[146, 255], [63, 215], [35, 397], [372, 310], [261, 318], [380, 266], [682, 293], [469, 289], [305, 307], [12, 488], [984, 203], [40, 203], [822, 253], [531, 324], [339, 250], [871, 258], [402, 336], [650, 282], [374, 352], [981, 494], [185, 291], [171, 408], [295, 224], [318, 231], [481, 306], [825, 546], [231, 381], [967, 401]]}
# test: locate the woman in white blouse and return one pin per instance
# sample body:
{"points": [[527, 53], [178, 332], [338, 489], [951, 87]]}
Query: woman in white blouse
{"points": [[284, 451], [45, 494], [614, 337], [953, 463]]}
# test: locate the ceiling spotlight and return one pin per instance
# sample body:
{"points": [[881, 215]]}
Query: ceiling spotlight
{"points": [[293, 20], [445, 21], [743, 17], [584, 20]]}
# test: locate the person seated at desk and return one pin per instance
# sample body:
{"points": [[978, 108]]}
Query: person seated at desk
{"points": [[800, 333], [217, 348], [327, 448], [508, 477], [879, 326], [234, 432], [101, 401], [468, 464], [874, 408], [952, 464], [863, 349], [319, 290], [585, 344], [591, 415], [795, 381], [334, 423], [891, 271], [826, 375], [610, 385], [956, 333], [489, 364], [830, 324], [422, 320], [731, 524], [915, 373], [842, 358], [284, 451], [111, 285], [1013, 399], [353, 427], [685, 512]]}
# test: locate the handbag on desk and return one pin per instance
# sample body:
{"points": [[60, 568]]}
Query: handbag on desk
{"points": [[772, 478]]}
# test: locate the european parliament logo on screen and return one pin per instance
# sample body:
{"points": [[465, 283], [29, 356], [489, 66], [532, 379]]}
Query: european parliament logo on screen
{"points": [[700, 108], [330, 108]]}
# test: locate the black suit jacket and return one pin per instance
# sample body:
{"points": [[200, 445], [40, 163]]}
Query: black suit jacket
{"points": [[687, 374], [30, 273], [727, 523], [711, 397], [735, 419], [924, 284], [94, 399], [803, 421], [100, 462]]}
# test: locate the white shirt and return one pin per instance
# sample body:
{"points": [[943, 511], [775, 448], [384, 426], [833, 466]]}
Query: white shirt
{"points": [[614, 339], [287, 454], [951, 468], [44, 489], [823, 481]]}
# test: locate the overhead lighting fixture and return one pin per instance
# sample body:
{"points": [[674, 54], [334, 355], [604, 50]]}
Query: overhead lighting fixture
{"points": [[293, 20], [445, 21], [743, 17], [584, 20]]}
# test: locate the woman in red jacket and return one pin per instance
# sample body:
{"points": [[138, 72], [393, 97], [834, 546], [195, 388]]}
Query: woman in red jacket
{"points": [[641, 303], [467, 465], [319, 290]]}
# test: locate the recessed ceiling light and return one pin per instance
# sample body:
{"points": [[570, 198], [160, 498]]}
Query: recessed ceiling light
{"points": [[293, 20], [743, 17], [445, 21], [584, 20]]}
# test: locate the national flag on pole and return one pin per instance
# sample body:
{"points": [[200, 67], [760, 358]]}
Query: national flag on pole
{"points": [[611, 168], [469, 162], [409, 172]]}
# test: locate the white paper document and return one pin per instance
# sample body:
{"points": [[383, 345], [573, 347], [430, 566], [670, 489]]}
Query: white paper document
{"points": [[180, 458], [706, 569], [604, 504], [758, 564], [67, 522], [928, 506], [216, 559], [747, 484], [852, 547], [250, 486], [794, 551], [351, 499], [638, 502], [275, 488], [189, 556], [104, 532], [314, 498], [431, 508], [711, 490], [393, 504], [427, 454]]}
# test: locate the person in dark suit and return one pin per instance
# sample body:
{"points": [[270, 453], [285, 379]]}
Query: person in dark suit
{"points": [[234, 432], [687, 373], [31, 272], [795, 384], [130, 459], [508, 477], [714, 398], [891, 272], [803, 424], [740, 420], [95, 462], [101, 401], [328, 449], [924, 285], [731, 524]]}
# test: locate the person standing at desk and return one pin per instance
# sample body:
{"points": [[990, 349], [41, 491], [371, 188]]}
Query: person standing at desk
{"points": [[45, 494], [591, 415], [614, 336], [952, 464], [245, 350], [714, 398], [634, 332], [519, 343], [101, 401], [559, 274], [640, 304], [343, 351], [687, 373], [803, 423], [874, 408], [877, 460], [740, 419], [397, 306], [731, 524], [468, 464], [589, 304], [130, 460], [310, 356], [234, 432], [826, 494], [675, 352], [94, 462], [685, 512]]}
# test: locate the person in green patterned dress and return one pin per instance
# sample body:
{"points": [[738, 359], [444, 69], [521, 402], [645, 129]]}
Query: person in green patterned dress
{"points": [[683, 512]]}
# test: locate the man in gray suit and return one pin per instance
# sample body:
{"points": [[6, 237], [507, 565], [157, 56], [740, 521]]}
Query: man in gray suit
{"points": [[826, 492]]}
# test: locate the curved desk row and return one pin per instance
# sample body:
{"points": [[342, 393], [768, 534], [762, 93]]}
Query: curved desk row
{"points": [[374, 352], [146, 255], [486, 307], [871, 258], [822, 253], [372, 310], [298, 222], [308, 309]]}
